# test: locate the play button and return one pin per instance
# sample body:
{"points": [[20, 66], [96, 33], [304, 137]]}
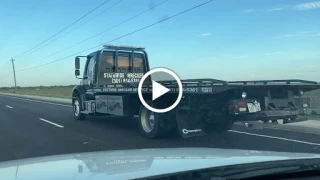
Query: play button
{"points": [[160, 91]]}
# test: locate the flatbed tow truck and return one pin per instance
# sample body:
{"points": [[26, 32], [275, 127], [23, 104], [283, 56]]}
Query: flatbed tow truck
{"points": [[109, 86]]}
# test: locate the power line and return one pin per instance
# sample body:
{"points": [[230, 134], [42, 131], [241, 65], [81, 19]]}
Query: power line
{"points": [[12, 33], [129, 19], [63, 29], [77, 27], [120, 37]]}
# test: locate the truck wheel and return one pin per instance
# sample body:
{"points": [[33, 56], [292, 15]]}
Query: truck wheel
{"points": [[76, 103], [151, 124]]}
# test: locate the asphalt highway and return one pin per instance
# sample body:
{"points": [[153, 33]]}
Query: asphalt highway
{"points": [[32, 128]]}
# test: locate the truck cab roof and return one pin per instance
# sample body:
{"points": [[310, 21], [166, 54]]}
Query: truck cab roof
{"points": [[110, 47], [116, 47]]}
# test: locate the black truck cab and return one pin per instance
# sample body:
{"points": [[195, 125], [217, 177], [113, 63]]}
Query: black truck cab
{"points": [[112, 66]]}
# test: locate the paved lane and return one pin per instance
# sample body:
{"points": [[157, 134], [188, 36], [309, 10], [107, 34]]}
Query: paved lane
{"points": [[25, 135], [31, 128]]}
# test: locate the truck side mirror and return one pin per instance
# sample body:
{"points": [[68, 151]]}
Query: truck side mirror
{"points": [[77, 72], [77, 63]]}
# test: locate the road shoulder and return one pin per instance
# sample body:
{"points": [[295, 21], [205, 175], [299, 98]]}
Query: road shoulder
{"points": [[40, 98], [308, 126]]}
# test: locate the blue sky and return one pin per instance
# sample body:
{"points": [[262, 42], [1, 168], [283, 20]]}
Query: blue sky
{"points": [[224, 39]]}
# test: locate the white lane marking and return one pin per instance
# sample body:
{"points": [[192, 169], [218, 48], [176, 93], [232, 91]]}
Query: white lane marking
{"points": [[293, 130], [9, 107], [41, 101], [51, 122], [273, 137]]}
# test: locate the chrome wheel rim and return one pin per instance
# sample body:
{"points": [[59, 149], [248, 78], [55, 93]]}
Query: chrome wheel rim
{"points": [[147, 120], [76, 108]]}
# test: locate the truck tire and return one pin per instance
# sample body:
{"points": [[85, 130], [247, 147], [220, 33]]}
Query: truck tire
{"points": [[76, 103], [152, 125]]}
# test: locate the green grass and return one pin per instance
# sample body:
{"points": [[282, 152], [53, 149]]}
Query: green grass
{"points": [[311, 117], [52, 91]]}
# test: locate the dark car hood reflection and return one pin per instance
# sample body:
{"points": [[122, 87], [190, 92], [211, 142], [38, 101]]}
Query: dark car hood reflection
{"points": [[129, 164], [114, 163]]}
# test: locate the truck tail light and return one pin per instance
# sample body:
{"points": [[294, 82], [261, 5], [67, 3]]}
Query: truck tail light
{"points": [[305, 102], [241, 103], [242, 106]]}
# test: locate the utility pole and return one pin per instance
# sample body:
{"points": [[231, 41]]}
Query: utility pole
{"points": [[14, 73]]}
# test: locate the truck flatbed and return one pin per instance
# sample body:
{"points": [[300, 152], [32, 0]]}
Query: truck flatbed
{"points": [[205, 86]]}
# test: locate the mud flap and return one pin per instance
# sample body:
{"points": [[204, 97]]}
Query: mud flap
{"points": [[189, 124]]}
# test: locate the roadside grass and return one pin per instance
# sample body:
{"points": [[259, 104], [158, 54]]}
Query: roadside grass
{"points": [[46, 91], [310, 117]]}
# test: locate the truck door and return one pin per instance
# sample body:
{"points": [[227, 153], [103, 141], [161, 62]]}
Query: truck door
{"points": [[90, 74]]}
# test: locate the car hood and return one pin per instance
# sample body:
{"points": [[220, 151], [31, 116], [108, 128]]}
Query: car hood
{"points": [[130, 164]]}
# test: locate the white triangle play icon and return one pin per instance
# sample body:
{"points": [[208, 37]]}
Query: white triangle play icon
{"points": [[158, 90]]}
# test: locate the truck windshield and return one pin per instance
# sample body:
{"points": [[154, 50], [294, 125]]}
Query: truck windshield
{"points": [[110, 72]]}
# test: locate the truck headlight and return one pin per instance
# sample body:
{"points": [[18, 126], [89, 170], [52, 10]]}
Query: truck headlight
{"points": [[244, 95]]}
